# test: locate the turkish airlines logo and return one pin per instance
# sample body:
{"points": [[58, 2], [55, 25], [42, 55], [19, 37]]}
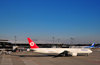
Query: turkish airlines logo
{"points": [[32, 43]]}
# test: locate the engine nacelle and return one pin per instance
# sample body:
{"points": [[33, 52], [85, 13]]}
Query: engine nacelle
{"points": [[74, 54]]}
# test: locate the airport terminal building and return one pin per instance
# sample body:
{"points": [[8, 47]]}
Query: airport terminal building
{"points": [[5, 45], [9, 46]]}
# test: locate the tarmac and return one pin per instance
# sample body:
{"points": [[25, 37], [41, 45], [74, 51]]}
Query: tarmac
{"points": [[31, 58]]}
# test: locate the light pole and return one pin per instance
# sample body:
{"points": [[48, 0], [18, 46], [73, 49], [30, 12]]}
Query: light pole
{"points": [[53, 39], [15, 39]]}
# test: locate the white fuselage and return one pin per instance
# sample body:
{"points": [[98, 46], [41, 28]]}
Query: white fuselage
{"points": [[61, 50]]}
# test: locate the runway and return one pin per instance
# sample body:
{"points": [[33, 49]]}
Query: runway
{"points": [[30, 58]]}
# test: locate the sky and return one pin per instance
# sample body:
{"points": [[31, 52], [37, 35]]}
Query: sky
{"points": [[44, 19]]}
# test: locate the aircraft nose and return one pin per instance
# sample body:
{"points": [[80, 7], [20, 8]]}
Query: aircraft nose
{"points": [[90, 51]]}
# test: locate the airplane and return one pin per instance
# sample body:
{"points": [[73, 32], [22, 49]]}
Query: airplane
{"points": [[92, 46], [58, 51]]}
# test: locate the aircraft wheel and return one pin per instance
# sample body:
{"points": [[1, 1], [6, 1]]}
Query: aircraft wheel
{"points": [[65, 53]]}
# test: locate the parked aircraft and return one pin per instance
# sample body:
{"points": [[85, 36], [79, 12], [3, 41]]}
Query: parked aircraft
{"points": [[59, 51], [92, 46]]}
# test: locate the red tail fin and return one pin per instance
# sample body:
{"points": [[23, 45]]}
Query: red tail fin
{"points": [[32, 44]]}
